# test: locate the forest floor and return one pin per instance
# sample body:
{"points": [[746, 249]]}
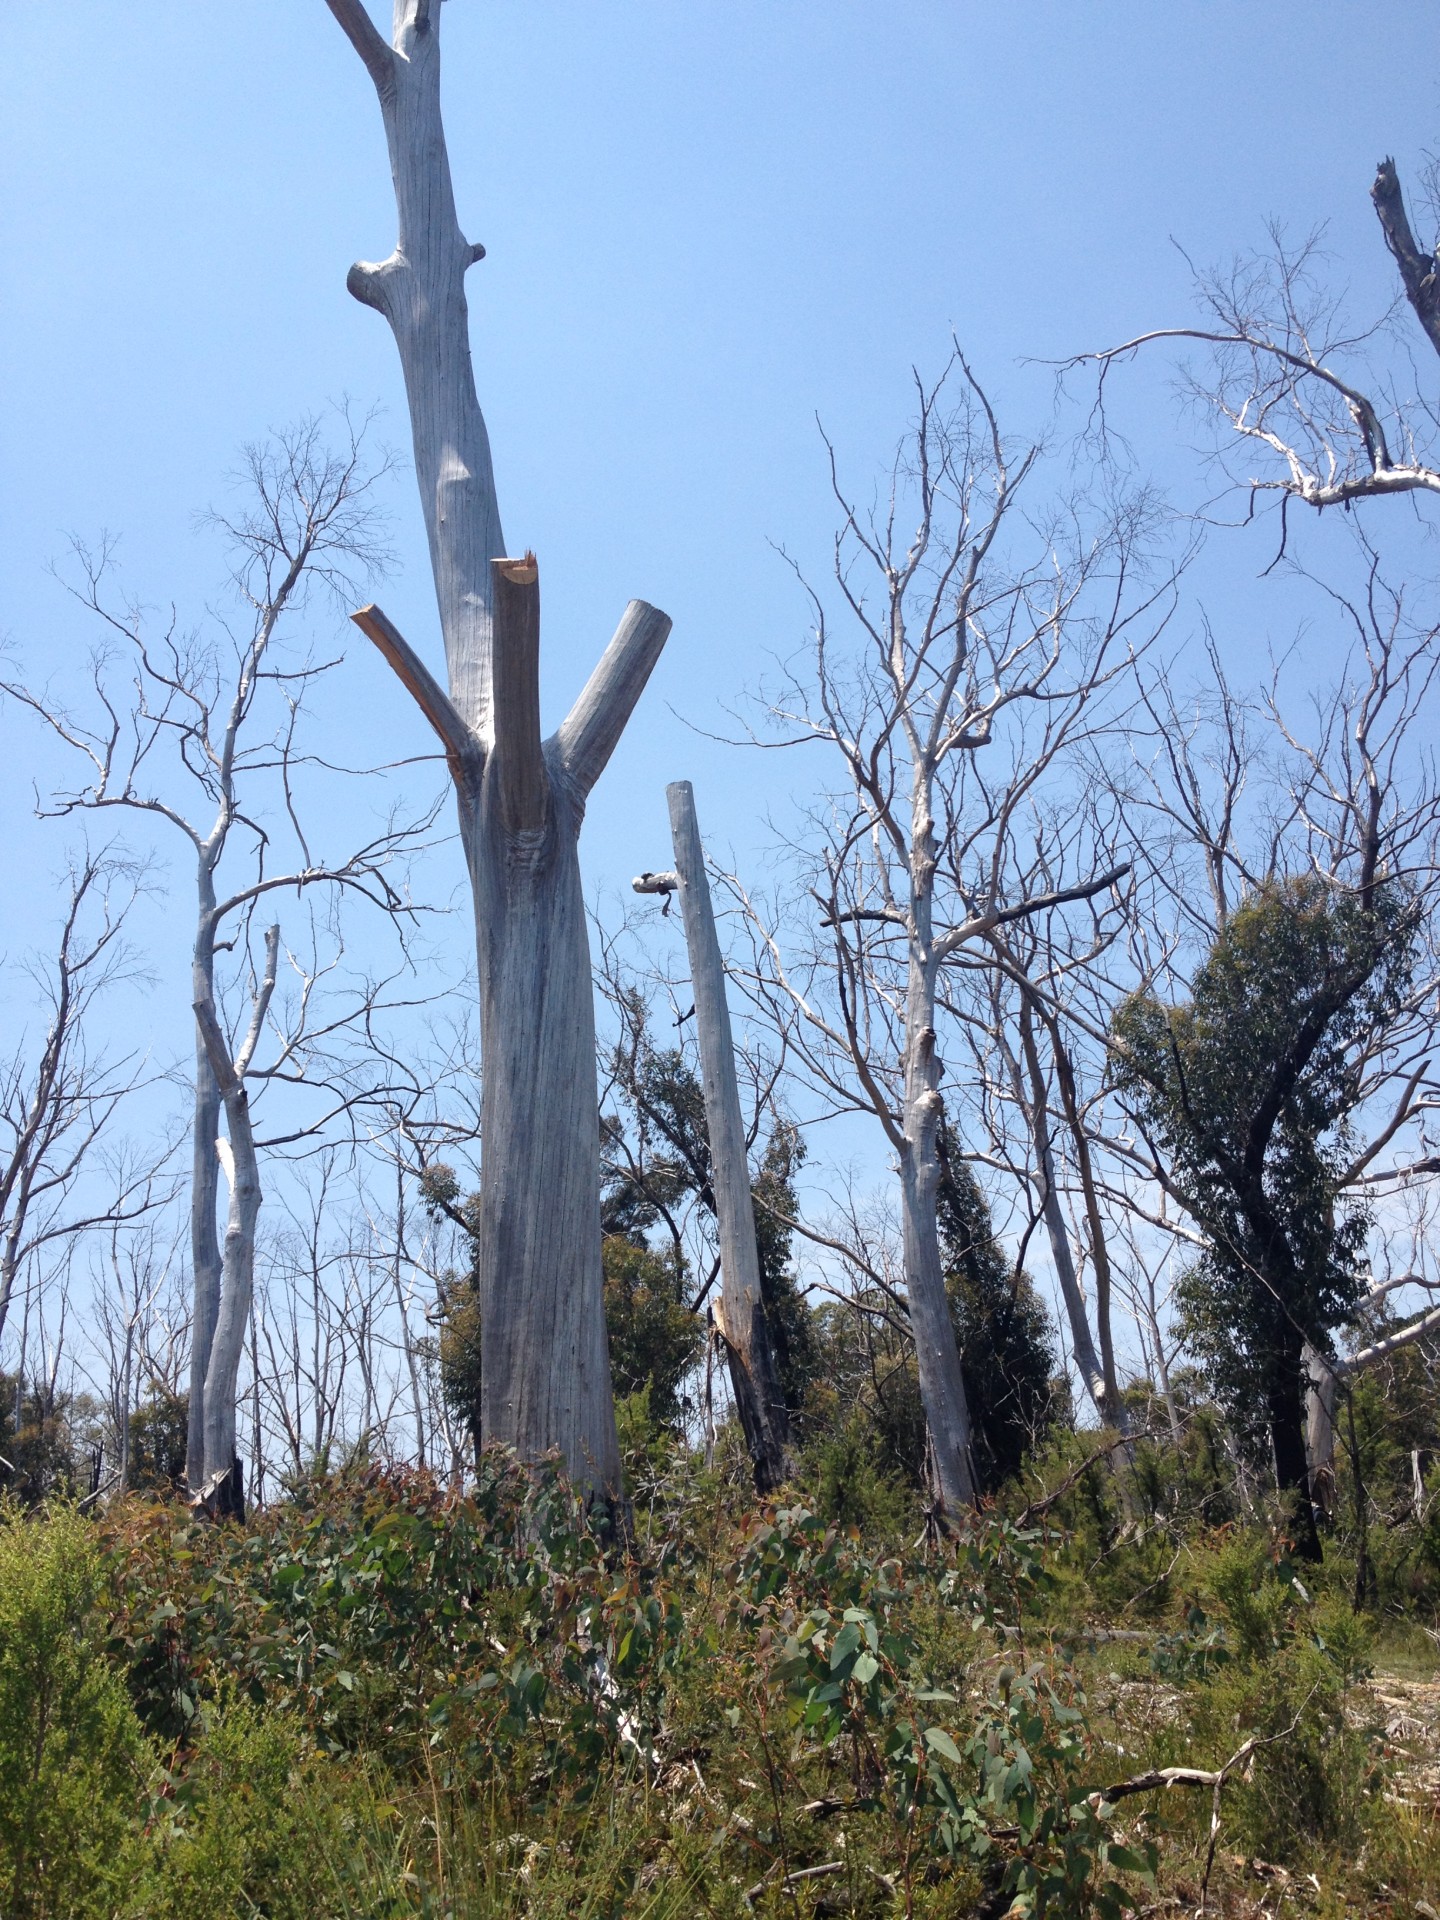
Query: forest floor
{"points": [[1405, 1715]]}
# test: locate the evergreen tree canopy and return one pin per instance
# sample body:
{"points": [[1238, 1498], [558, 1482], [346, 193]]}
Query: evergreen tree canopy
{"points": [[1246, 1093], [1007, 1343]]}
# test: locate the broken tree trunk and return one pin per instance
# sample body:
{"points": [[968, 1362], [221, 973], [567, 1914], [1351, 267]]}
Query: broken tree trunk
{"points": [[754, 1376], [1325, 1378], [545, 1372]]}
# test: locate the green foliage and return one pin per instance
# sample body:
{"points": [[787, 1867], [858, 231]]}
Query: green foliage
{"points": [[1007, 1344], [384, 1698], [655, 1339], [790, 1320], [1248, 1089], [656, 1160], [458, 1346], [73, 1758], [1014, 1795], [48, 1441], [1292, 1661], [865, 1422], [374, 1611], [159, 1432], [855, 1479], [260, 1821]]}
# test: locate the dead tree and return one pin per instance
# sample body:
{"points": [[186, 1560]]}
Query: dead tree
{"points": [[1289, 377], [58, 1098], [521, 798], [754, 1375], [207, 740], [1038, 1077], [1330, 1375], [964, 646]]}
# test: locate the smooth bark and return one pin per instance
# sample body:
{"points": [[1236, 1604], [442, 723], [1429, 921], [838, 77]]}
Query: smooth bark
{"points": [[205, 1257], [937, 1352], [1324, 1381], [1096, 1369], [221, 1488], [545, 1375], [754, 1376]]}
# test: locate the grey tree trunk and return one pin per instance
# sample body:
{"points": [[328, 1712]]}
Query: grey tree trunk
{"points": [[754, 1376], [205, 1257], [1324, 1379], [222, 1489], [545, 1374], [1321, 1389], [937, 1353], [1097, 1373]]}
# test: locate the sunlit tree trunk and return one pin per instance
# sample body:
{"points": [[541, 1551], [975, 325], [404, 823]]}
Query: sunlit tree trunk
{"points": [[545, 1376], [754, 1375], [937, 1352]]}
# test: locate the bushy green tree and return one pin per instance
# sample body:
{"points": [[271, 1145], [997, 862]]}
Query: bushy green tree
{"points": [[655, 1339], [159, 1428], [1246, 1091], [791, 1320], [1007, 1342]]}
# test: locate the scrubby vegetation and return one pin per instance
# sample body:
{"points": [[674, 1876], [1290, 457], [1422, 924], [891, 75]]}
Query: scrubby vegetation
{"points": [[382, 1696]]}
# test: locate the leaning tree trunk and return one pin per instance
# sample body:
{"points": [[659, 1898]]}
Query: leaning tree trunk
{"points": [[545, 1377], [1096, 1370], [754, 1376], [937, 1353], [1324, 1379]]}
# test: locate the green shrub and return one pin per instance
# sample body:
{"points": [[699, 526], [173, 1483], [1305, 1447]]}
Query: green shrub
{"points": [[73, 1758], [1292, 1660], [259, 1821], [856, 1483]]}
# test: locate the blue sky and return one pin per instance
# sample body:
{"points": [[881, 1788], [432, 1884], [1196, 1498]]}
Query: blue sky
{"points": [[707, 224]]}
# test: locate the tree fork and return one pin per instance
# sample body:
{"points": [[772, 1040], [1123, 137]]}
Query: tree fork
{"points": [[545, 1382]]}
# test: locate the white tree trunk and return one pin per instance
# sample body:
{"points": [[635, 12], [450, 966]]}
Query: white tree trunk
{"points": [[545, 1374], [221, 1487], [937, 1353], [754, 1376], [1099, 1379], [205, 1257], [1323, 1381]]}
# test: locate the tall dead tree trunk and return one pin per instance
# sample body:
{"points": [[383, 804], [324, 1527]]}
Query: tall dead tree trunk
{"points": [[937, 1352], [1096, 1368], [206, 1263], [222, 1489], [754, 1375], [545, 1376]]}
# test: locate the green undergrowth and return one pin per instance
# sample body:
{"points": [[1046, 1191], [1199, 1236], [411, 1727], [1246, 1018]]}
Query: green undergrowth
{"points": [[384, 1697]]}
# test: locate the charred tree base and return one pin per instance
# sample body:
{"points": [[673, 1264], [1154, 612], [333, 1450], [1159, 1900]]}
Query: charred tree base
{"points": [[222, 1497]]}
